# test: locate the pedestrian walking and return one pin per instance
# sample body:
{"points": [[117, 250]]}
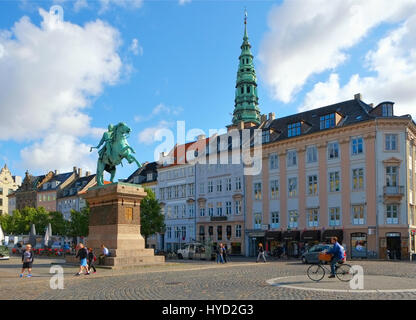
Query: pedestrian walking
{"points": [[219, 253], [27, 259], [261, 253], [82, 255], [224, 253], [91, 259]]}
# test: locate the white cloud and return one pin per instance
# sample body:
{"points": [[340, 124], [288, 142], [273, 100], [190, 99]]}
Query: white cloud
{"points": [[48, 74], [147, 136], [182, 2], [136, 48], [80, 4], [394, 65], [161, 108], [133, 4], [309, 37], [59, 151]]}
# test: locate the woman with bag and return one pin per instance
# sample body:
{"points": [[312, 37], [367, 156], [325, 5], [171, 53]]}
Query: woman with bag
{"points": [[91, 259]]}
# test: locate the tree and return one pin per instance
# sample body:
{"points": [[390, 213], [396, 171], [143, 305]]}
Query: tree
{"points": [[151, 219], [78, 227], [58, 223]]}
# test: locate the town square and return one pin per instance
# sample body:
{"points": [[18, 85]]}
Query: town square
{"points": [[207, 150]]}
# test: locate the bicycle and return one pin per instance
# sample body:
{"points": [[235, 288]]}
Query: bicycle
{"points": [[343, 271]]}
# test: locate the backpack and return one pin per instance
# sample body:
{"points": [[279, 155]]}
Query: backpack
{"points": [[95, 258]]}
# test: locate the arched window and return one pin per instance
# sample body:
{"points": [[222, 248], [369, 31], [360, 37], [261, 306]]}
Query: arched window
{"points": [[248, 89]]}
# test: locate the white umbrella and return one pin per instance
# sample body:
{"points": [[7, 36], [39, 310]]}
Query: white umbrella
{"points": [[46, 239], [32, 235], [1, 235], [50, 230]]}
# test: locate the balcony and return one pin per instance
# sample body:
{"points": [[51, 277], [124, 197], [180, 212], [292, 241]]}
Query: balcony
{"points": [[394, 193]]}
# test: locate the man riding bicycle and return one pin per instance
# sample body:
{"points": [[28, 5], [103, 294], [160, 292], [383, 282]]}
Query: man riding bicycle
{"points": [[337, 252]]}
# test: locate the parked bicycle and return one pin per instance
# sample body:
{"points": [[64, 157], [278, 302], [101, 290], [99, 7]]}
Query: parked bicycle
{"points": [[316, 272]]}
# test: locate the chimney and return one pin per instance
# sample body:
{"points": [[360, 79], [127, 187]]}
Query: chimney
{"points": [[75, 169], [263, 118], [56, 172], [79, 172], [271, 116], [87, 173], [201, 137], [358, 97]]}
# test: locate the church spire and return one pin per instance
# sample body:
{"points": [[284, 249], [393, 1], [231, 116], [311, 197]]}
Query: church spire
{"points": [[246, 103]]}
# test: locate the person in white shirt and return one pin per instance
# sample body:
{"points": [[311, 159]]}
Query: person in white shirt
{"points": [[105, 253]]}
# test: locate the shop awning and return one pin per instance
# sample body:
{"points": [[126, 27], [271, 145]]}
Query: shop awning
{"points": [[291, 235], [311, 235], [333, 233], [274, 235]]}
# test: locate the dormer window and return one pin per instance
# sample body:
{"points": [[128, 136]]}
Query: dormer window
{"points": [[265, 136], [387, 109], [327, 121], [293, 129]]}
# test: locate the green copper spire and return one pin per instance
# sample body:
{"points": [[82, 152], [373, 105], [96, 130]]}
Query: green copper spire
{"points": [[246, 103]]}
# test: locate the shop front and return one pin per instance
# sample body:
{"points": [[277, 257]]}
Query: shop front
{"points": [[328, 234], [255, 237], [274, 243], [309, 238], [359, 245], [291, 241]]}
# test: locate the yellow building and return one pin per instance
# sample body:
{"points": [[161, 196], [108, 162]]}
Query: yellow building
{"points": [[8, 184]]}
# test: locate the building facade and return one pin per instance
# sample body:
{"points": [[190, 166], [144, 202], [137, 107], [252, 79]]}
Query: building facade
{"points": [[70, 197], [8, 184], [344, 170], [26, 194]]}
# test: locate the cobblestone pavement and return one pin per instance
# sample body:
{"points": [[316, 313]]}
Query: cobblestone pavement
{"points": [[194, 280]]}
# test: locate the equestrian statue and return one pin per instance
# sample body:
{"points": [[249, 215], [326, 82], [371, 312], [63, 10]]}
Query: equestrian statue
{"points": [[115, 149]]}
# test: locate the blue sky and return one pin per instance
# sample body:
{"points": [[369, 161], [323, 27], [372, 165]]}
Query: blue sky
{"points": [[155, 62]]}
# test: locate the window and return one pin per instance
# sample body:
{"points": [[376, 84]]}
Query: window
{"points": [[357, 146], [311, 154], [358, 214], [312, 185], [291, 158], [273, 161], [392, 214], [169, 232], [312, 216], [333, 150], [387, 110], [191, 211], [293, 218], [219, 209], [238, 231], [327, 121], [358, 179], [201, 230], [265, 136], [228, 208], [202, 212], [391, 176], [293, 129], [274, 189], [219, 232], [238, 183], [257, 220], [228, 184], [334, 217], [391, 142], [275, 219], [191, 188], [334, 182], [293, 187], [237, 204], [257, 191], [177, 232], [1, 191], [210, 186], [211, 210], [219, 186], [183, 232]]}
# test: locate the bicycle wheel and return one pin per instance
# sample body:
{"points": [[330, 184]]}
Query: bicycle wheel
{"points": [[315, 272], [344, 272]]}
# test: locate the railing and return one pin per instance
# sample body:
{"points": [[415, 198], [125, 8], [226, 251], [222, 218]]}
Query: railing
{"points": [[393, 191]]}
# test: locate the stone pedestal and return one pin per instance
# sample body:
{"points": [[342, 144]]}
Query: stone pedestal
{"points": [[115, 222]]}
